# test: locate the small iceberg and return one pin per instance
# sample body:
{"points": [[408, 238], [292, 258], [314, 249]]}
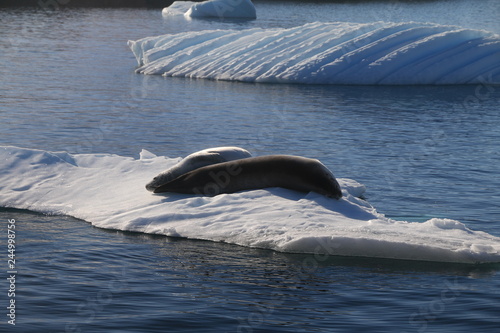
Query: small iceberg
{"points": [[212, 8]]}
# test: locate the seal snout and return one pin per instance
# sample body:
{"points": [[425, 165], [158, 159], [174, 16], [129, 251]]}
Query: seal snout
{"points": [[336, 194], [152, 185], [333, 190]]}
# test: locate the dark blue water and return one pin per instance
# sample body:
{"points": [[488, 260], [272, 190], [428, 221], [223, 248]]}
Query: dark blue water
{"points": [[68, 83]]}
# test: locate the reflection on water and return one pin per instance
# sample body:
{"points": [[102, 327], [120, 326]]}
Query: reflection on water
{"points": [[93, 279]]}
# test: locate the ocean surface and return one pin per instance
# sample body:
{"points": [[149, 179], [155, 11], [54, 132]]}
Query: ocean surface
{"points": [[68, 83]]}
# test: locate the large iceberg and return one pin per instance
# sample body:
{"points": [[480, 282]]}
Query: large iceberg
{"points": [[328, 53], [212, 8], [108, 191]]}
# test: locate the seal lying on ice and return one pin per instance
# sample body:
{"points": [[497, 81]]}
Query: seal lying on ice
{"points": [[197, 160], [291, 172]]}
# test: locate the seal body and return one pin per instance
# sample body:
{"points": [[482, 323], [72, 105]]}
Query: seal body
{"points": [[291, 172], [197, 160]]}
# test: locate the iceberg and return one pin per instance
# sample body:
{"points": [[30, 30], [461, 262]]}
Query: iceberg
{"points": [[212, 8], [108, 191], [177, 8], [378, 53]]}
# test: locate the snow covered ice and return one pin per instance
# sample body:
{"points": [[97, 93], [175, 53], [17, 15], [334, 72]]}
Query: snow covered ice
{"points": [[212, 8], [327, 53], [108, 191]]}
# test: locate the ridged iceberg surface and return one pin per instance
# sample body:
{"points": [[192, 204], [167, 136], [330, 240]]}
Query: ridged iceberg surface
{"points": [[328, 53], [108, 191]]}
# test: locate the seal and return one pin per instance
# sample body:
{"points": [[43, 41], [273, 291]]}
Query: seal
{"points": [[197, 160], [286, 171]]}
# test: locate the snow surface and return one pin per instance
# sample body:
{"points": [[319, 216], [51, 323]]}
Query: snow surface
{"points": [[328, 53], [108, 191], [212, 8]]}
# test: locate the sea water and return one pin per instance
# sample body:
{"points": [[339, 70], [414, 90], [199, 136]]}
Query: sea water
{"points": [[68, 84]]}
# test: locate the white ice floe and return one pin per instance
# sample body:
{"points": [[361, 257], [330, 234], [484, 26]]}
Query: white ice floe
{"points": [[212, 8], [108, 191], [328, 53]]}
